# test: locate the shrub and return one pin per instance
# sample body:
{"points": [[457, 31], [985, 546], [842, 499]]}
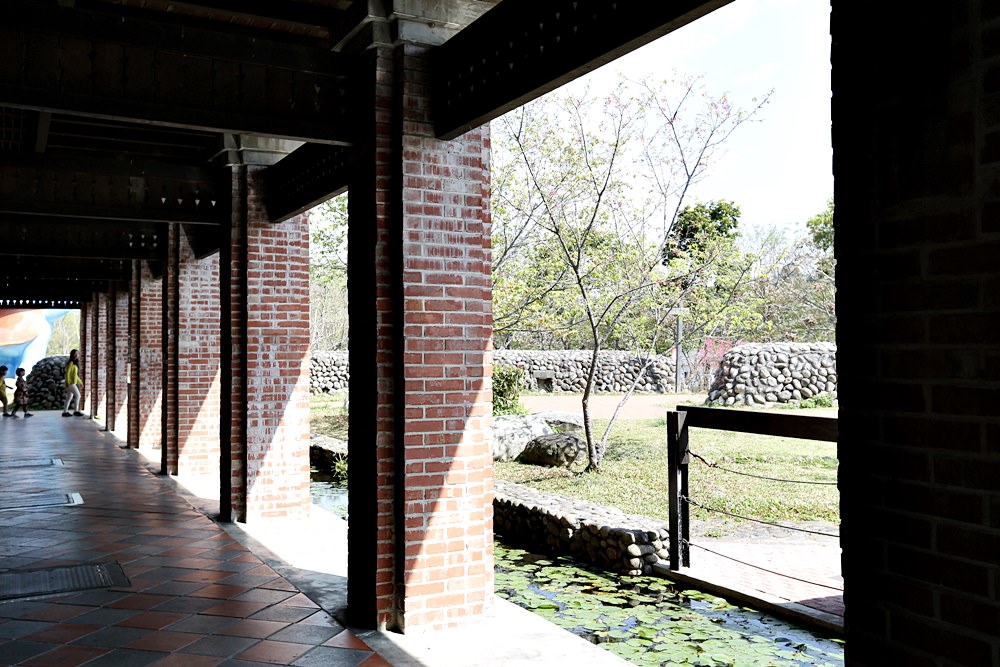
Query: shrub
{"points": [[507, 382]]}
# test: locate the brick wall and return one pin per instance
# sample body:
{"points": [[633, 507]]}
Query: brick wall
{"points": [[198, 369], [147, 383], [277, 362], [916, 138], [121, 365], [433, 354], [103, 349]]}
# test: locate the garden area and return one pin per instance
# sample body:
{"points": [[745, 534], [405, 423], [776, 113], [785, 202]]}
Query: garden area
{"points": [[650, 620]]}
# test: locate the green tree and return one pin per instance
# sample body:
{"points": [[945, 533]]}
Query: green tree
{"points": [[820, 228], [587, 191], [698, 227], [328, 315]]}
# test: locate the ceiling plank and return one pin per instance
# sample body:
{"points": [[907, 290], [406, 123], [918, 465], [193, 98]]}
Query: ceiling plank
{"points": [[522, 49], [93, 239], [309, 175], [46, 189], [67, 60], [22, 267]]}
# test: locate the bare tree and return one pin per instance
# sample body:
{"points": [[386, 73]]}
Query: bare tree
{"points": [[587, 191]]}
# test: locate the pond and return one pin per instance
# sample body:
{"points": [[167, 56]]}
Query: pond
{"points": [[650, 621], [646, 620], [328, 490]]}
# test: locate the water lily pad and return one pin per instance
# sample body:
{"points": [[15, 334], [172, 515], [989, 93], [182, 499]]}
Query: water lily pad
{"points": [[647, 622]]}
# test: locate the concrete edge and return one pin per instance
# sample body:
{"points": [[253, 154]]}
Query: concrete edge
{"points": [[779, 607]]}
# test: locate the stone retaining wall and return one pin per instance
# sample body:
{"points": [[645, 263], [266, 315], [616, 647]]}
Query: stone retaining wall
{"points": [[561, 370], [557, 525], [769, 373]]}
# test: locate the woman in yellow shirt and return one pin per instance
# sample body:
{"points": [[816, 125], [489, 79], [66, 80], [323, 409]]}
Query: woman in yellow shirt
{"points": [[73, 384]]}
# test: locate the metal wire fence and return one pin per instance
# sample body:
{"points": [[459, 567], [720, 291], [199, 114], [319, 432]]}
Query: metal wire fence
{"points": [[680, 457]]}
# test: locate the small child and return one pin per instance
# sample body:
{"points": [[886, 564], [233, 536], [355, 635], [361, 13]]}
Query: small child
{"points": [[3, 390], [20, 395]]}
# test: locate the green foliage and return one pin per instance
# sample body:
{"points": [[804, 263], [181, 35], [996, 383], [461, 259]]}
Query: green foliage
{"points": [[700, 226], [633, 475], [586, 192], [65, 334], [328, 316], [820, 228], [824, 400], [507, 383], [652, 622], [328, 240]]}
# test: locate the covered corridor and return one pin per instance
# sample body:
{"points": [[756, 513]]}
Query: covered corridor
{"points": [[198, 592]]}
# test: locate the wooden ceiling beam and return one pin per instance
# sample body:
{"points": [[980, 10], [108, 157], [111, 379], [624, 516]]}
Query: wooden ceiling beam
{"points": [[522, 49], [86, 63], [23, 267], [90, 239], [308, 176]]}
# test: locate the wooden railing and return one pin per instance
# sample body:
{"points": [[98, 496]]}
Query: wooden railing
{"points": [[723, 419]]}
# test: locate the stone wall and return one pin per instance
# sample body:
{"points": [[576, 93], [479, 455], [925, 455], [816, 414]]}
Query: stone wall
{"points": [[554, 370], [557, 525], [46, 383], [769, 373]]}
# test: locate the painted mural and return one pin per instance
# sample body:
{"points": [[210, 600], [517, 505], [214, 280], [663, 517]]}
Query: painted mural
{"points": [[24, 336]]}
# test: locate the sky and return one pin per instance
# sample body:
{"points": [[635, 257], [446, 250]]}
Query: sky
{"points": [[778, 170]]}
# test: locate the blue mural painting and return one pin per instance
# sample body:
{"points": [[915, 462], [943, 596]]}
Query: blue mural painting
{"points": [[24, 336]]}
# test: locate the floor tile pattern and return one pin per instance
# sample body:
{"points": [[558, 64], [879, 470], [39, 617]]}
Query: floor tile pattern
{"points": [[196, 596]]}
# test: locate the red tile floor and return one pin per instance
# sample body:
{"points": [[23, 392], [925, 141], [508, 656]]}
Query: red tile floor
{"points": [[197, 596]]}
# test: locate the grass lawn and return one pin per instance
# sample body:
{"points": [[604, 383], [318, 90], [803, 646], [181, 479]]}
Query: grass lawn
{"points": [[634, 471], [634, 474], [328, 416]]}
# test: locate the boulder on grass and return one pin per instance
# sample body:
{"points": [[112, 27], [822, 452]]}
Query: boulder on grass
{"points": [[512, 433], [563, 450], [562, 422]]}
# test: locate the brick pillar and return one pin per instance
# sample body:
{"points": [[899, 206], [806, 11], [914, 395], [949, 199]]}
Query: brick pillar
{"points": [[917, 166], [420, 304], [99, 369], [147, 356], [233, 326], [170, 323], [88, 342], [198, 364], [89, 355], [118, 415], [111, 359], [266, 308], [277, 356]]}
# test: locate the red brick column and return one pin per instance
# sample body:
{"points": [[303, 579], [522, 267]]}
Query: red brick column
{"points": [[277, 357], [233, 326], [198, 364], [170, 314], [118, 416], [265, 310], [431, 328], [147, 395], [88, 355], [99, 371], [917, 167]]}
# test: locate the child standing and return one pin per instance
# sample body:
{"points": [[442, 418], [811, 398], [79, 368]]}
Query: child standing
{"points": [[3, 390], [20, 395]]}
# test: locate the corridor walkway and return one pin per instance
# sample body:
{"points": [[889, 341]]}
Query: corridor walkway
{"points": [[196, 594]]}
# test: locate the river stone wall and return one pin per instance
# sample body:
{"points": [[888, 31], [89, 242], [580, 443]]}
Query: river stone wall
{"points": [[566, 370], [557, 525], [556, 370], [770, 373], [46, 383]]}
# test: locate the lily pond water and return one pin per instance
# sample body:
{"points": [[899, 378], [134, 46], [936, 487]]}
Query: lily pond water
{"points": [[646, 620], [650, 621]]}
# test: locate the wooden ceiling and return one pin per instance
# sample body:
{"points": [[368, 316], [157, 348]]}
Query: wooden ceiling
{"points": [[120, 117]]}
